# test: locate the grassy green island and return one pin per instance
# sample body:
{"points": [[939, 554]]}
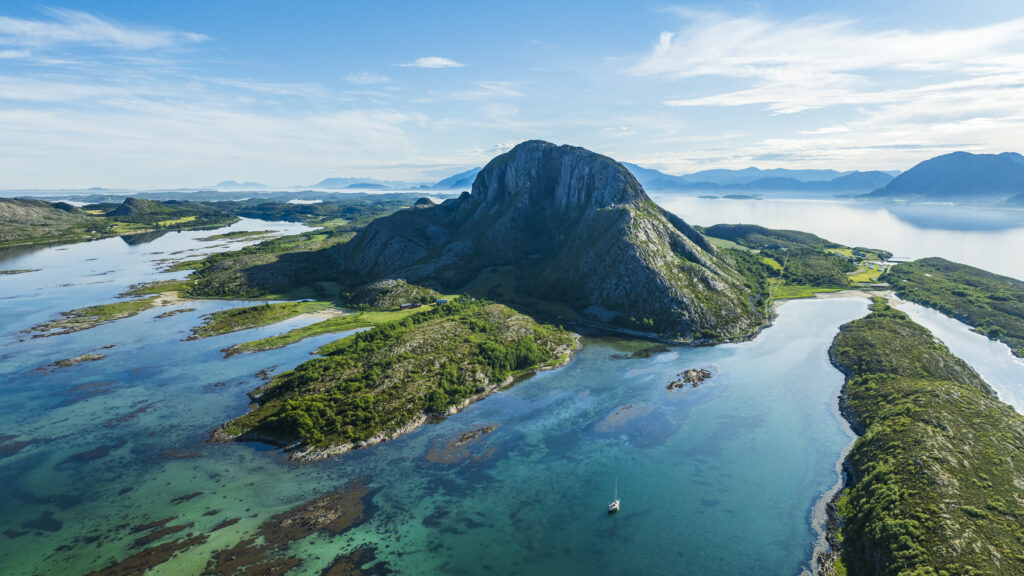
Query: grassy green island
{"points": [[235, 319], [936, 478], [992, 304], [92, 316], [382, 381], [351, 321]]}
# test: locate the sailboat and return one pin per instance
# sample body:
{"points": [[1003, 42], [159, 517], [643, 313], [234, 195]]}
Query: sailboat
{"points": [[613, 507]]}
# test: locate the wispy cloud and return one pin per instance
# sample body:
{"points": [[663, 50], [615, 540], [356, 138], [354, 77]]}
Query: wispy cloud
{"points": [[433, 62], [14, 54], [366, 78], [817, 62], [76, 27], [493, 90]]}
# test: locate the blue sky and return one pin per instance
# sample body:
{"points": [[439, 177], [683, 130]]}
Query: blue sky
{"points": [[153, 95]]}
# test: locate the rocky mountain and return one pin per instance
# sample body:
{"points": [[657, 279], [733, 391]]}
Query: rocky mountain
{"points": [[562, 224], [857, 180], [460, 180], [755, 179], [235, 185], [652, 179], [850, 182], [350, 183], [746, 175], [959, 176]]}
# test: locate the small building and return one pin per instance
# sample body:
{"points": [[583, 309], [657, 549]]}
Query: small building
{"points": [[440, 301], [409, 306]]}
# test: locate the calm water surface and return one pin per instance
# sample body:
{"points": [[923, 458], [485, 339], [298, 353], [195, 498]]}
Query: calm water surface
{"points": [[988, 238], [716, 479], [719, 479], [991, 359]]}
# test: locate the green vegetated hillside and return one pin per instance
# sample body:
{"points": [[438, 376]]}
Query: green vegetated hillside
{"points": [[236, 319], [24, 221], [28, 221], [352, 209], [992, 304], [381, 380], [296, 266], [799, 262], [937, 475]]}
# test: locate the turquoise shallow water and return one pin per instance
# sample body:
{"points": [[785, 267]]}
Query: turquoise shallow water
{"points": [[719, 479]]}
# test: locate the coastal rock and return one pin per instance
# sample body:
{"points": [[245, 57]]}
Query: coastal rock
{"points": [[692, 377]]}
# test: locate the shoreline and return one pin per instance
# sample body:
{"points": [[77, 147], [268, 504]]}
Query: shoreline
{"points": [[313, 454], [828, 547], [824, 518], [850, 293], [824, 514]]}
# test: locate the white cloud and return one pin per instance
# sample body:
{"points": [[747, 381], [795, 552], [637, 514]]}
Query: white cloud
{"points": [[493, 90], [433, 62], [815, 62], [75, 27], [367, 78]]}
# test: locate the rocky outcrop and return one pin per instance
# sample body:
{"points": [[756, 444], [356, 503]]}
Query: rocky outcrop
{"points": [[569, 226]]}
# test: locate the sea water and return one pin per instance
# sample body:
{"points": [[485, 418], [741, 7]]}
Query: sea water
{"points": [[718, 478]]}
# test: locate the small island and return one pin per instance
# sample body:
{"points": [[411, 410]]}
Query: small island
{"points": [[387, 381]]}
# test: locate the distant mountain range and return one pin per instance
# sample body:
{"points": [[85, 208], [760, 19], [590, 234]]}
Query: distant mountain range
{"points": [[754, 179], [235, 185], [363, 183], [960, 176], [460, 180]]}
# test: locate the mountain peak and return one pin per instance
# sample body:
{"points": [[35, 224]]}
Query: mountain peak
{"points": [[561, 224], [959, 176], [558, 177]]}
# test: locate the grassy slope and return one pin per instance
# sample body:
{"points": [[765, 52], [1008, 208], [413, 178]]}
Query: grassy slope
{"points": [[387, 377], [281, 268], [298, 266], [92, 316], [992, 304], [938, 473], [800, 264], [31, 221], [235, 319], [361, 319], [36, 221], [290, 267]]}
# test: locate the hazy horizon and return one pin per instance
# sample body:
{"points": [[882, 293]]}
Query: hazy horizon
{"points": [[143, 96]]}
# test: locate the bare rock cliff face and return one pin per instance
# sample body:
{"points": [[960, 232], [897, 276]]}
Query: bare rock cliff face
{"points": [[579, 229]]}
